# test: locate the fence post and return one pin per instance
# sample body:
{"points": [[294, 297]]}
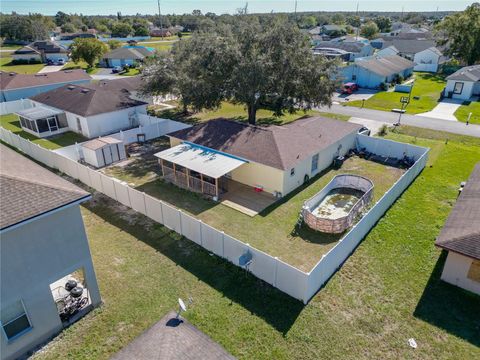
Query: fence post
{"points": [[180, 221], [275, 274], [201, 234], [223, 243]]}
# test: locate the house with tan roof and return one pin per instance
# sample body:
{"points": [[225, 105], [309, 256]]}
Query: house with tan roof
{"points": [[46, 268], [91, 110], [15, 86], [218, 157], [460, 237]]}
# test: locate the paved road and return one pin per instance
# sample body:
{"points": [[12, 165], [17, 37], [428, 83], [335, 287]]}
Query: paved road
{"points": [[413, 120]]}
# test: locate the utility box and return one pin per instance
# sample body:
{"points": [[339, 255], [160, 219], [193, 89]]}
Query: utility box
{"points": [[103, 151]]}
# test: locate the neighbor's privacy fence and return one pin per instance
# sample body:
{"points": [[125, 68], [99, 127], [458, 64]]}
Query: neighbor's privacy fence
{"points": [[286, 278], [9, 107], [270, 269]]}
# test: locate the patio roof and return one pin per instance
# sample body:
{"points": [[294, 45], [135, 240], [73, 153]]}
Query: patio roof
{"points": [[38, 112], [200, 159]]}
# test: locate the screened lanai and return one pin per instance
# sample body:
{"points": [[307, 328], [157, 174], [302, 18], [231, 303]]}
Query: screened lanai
{"points": [[42, 121]]}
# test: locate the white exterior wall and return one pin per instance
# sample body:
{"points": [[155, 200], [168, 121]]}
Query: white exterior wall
{"points": [[26, 57], [325, 159], [426, 60], [255, 174], [455, 272], [33, 256], [467, 90]]}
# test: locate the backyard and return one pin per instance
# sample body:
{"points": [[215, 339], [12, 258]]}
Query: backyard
{"points": [[387, 292], [273, 230], [427, 87], [11, 122]]}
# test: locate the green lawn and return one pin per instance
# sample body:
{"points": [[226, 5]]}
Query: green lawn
{"points": [[130, 72], [387, 292], [239, 113], [427, 86], [81, 65], [12, 47], [10, 122], [164, 46], [6, 65], [463, 111]]}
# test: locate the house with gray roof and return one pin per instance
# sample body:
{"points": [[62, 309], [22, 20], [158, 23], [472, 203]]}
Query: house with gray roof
{"points": [[371, 72], [429, 60], [460, 237], [127, 55], [41, 51], [91, 110], [464, 83], [43, 245], [15, 86], [408, 48], [355, 49]]}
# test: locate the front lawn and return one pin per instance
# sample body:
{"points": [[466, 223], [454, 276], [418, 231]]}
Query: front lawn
{"points": [[7, 65], [130, 72], [427, 86], [10, 122], [388, 291], [238, 112], [464, 110]]}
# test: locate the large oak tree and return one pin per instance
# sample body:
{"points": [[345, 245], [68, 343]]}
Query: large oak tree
{"points": [[269, 66]]}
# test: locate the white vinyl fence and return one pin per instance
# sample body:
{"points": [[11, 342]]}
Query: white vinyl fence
{"points": [[272, 270], [9, 107]]}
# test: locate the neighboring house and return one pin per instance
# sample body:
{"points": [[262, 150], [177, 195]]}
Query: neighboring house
{"points": [[89, 34], [41, 51], [409, 48], [388, 51], [371, 72], [43, 244], [127, 55], [464, 83], [428, 60], [378, 43], [91, 110], [333, 30], [355, 49], [461, 238], [160, 32], [275, 159], [351, 38], [333, 53], [15, 86]]}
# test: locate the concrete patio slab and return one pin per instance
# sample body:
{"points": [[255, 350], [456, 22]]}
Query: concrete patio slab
{"points": [[173, 339], [445, 110], [51, 68]]}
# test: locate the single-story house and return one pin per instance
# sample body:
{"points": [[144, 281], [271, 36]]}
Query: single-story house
{"points": [[15, 86], [461, 238], [391, 50], [408, 48], [464, 83], [212, 157], [371, 72], [333, 29], [41, 51], [428, 60], [89, 34], [378, 42], [333, 53], [160, 32], [44, 245], [127, 55], [91, 110], [356, 49]]}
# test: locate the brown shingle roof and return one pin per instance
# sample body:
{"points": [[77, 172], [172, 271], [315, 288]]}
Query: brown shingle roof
{"points": [[28, 190], [461, 232], [88, 100], [280, 147], [12, 80]]}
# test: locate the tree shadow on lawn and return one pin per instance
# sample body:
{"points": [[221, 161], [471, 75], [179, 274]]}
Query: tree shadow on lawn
{"points": [[258, 297], [449, 307]]}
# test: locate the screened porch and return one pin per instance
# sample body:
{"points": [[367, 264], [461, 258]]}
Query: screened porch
{"points": [[42, 121]]}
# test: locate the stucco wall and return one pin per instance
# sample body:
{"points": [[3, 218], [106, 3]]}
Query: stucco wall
{"points": [[455, 272], [35, 255], [255, 174], [26, 57], [467, 90], [104, 124], [426, 60]]}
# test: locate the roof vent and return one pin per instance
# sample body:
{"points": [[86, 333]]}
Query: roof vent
{"points": [[12, 74], [84, 91], [44, 74], [67, 71], [71, 87]]}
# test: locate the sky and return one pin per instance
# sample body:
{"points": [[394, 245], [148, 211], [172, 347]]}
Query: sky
{"points": [[128, 7]]}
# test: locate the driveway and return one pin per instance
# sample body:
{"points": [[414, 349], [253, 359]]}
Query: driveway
{"points": [[360, 94], [372, 125], [51, 68], [105, 74], [445, 110]]}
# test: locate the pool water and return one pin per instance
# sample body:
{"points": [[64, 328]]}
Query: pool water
{"points": [[337, 203]]}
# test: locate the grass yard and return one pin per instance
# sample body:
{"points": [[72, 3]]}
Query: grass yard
{"points": [[12, 47], [239, 113], [273, 230], [10, 122], [81, 65], [427, 86], [6, 65], [387, 292], [130, 72], [463, 111], [162, 46]]}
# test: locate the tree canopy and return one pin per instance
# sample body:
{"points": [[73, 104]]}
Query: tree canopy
{"points": [[89, 50], [460, 33], [369, 30], [268, 66]]}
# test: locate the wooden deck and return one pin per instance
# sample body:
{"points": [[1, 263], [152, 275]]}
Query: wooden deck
{"points": [[244, 199]]}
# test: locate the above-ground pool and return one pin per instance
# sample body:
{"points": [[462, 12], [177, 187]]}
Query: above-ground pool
{"points": [[334, 209]]}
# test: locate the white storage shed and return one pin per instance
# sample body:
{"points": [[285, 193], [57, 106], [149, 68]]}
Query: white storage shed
{"points": [[103, 151]]}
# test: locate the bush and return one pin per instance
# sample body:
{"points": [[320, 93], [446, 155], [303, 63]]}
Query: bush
{"points": [[25, 61], [400, 79], [383, 86], [383, 130]]}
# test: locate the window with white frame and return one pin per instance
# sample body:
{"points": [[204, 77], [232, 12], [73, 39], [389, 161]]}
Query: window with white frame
{"points": [[315, 162], [292, 172], [14, 320]]}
